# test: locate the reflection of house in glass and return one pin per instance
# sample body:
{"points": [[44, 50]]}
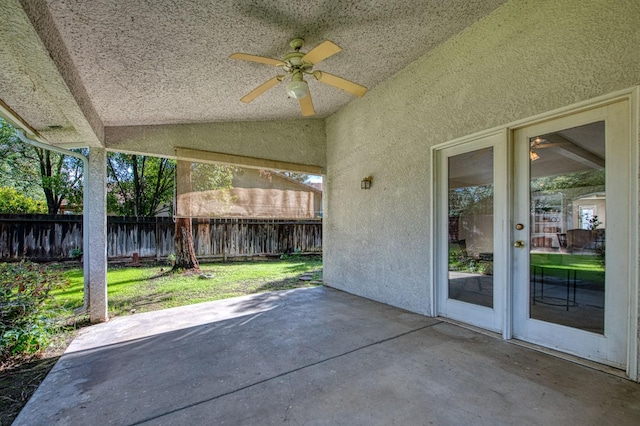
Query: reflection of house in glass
{"points": [[471, 201], [471, 215], [567, 225], [568, 220], [568, 190]]}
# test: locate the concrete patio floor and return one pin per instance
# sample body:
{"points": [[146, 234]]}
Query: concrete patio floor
{"points": [[315, 356]]}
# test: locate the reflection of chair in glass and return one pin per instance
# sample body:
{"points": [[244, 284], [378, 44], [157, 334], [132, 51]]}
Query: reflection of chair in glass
{"points": [[584, 239], [562, 242], [599, 235], [463, 247]]}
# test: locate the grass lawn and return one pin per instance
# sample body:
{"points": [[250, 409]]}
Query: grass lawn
{"points": [[145, 289], [149, 288], [588, 267]]}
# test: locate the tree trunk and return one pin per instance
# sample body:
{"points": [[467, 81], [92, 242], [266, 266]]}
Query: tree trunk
{"points": [[183, 245], [183, 240]]}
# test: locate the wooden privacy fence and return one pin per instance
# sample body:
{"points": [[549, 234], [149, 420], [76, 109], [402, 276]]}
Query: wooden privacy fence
{"points": [[47, 238]]}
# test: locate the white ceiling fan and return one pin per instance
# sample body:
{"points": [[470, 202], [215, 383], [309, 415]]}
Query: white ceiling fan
{"points": [[297, 64]]}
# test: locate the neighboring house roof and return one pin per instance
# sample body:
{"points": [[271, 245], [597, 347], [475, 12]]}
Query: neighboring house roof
{"points": [[316, 185], [303, 185]]}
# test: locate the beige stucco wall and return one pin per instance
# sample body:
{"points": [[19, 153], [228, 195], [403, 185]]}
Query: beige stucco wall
{"points": [[293, 141], [38, 80], [528, 57]]}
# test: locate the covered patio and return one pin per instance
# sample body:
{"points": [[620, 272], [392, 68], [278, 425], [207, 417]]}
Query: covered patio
{"points": [[477, 80], [315, 356]]}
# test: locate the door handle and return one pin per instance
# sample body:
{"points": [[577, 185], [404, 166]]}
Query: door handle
{"points": [[518, 244]]}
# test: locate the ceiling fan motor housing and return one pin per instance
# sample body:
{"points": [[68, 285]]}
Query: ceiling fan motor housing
{"points": [[296, 43], [293, 60]]}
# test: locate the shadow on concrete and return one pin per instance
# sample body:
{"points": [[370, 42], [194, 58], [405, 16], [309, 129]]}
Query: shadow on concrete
{"points": [[316, 356]]}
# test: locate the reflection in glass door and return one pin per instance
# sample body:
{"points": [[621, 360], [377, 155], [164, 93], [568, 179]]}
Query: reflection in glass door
{"points": [[522, 231], [470, 213], [571, 262], [471, 229], [568, 222]]}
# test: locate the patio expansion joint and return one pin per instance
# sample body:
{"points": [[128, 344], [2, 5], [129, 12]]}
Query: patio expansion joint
{"points": [[286, 373]]}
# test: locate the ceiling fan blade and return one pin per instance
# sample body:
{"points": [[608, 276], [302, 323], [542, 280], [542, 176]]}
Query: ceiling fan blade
{"points": [[321, 52], [306, 105], [340, 83], [262, 88], [260, 59]]}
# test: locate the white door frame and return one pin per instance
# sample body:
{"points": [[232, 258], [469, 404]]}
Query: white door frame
{"points": [[610, 347], [489, 318], [633, 96]]}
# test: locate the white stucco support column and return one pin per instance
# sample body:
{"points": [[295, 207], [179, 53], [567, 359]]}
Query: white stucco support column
{"points": [[95, 225]]}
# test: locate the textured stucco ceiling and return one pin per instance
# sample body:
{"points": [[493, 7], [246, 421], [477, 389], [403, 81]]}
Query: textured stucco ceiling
{"points": [[141, 62]]}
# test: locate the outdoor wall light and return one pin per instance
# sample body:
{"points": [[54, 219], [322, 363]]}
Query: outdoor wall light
{"points": [[366, 182]]}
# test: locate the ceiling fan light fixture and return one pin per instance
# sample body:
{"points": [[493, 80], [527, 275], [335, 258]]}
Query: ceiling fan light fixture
{"points": [[298, 89], [295, 64]]}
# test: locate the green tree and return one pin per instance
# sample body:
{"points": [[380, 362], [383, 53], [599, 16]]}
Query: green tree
{"points": [[139, 185], [60, 178], [205, 177], [471, 199], [13, 202], [588, 179], [300, 177], [39, 173], [197, 177], [571, 185], [10, 176], [214, 182]]}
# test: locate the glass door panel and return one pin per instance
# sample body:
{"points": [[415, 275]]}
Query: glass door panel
{"points": [[471, 226], [571, 202], [470, 214], [568, 221]]}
